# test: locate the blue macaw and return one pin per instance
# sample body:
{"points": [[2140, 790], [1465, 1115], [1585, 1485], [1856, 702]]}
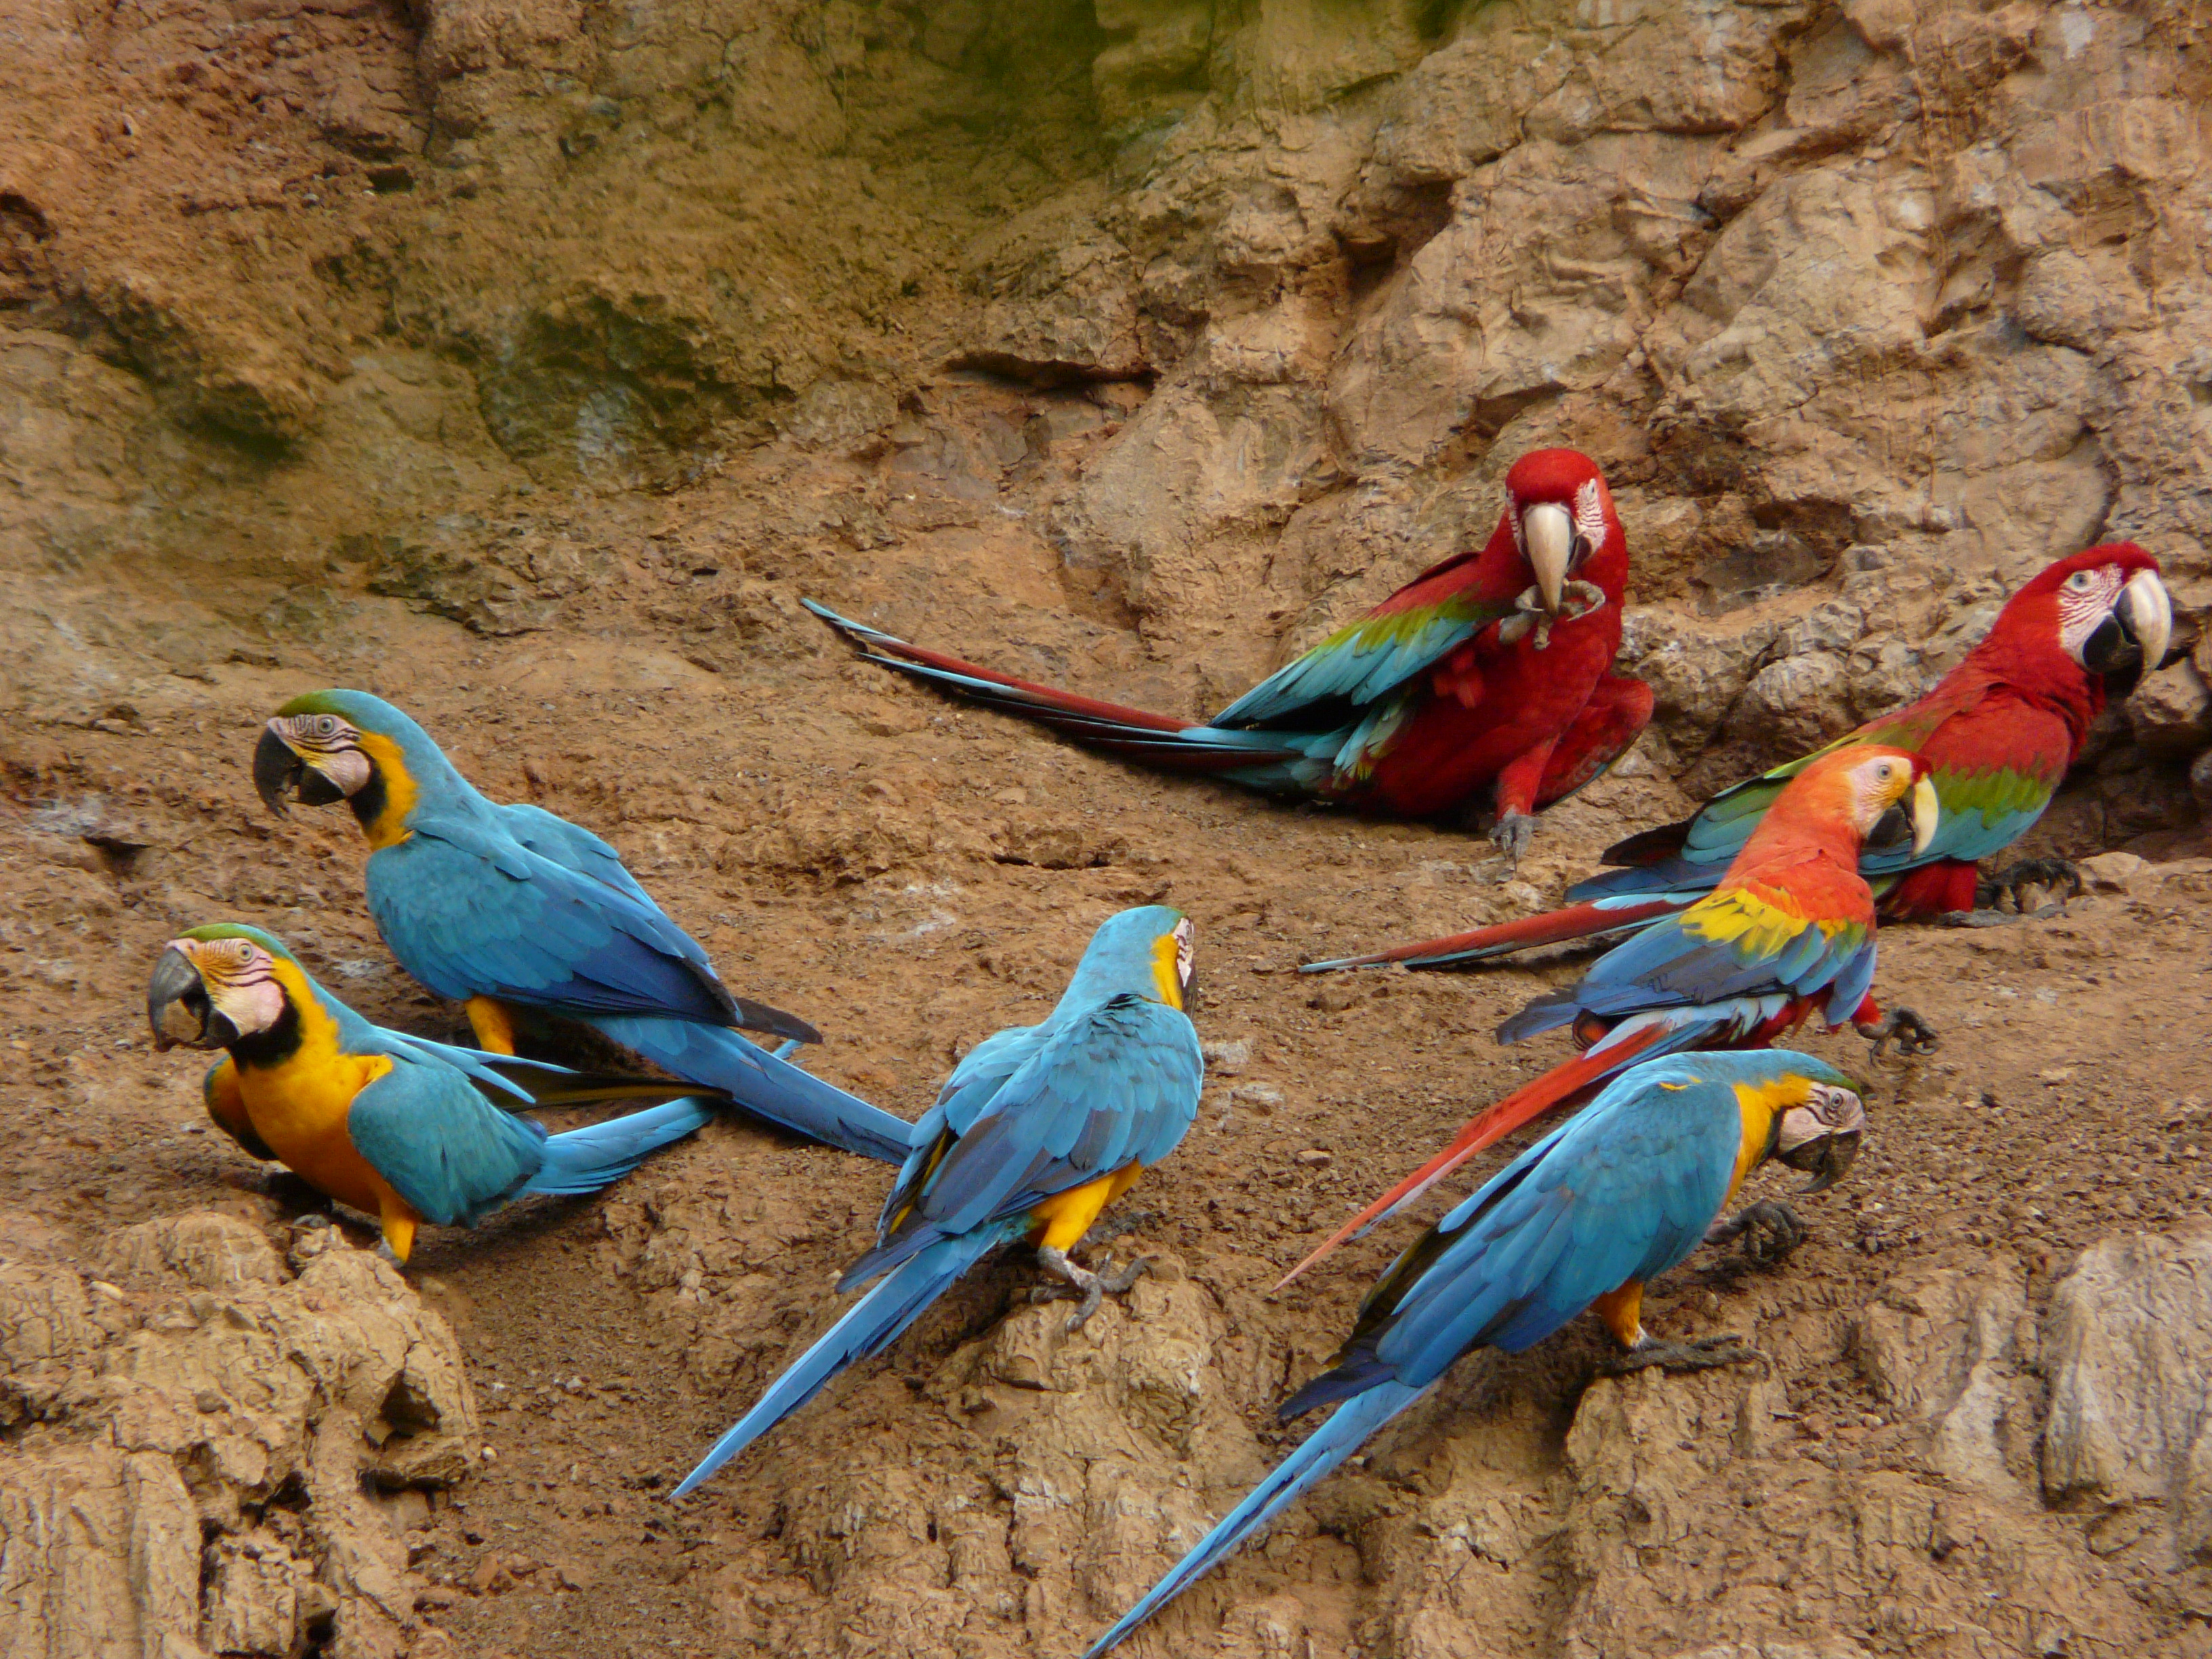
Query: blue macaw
{"points": [[1034, 1134], [397, 1127], [1617, 1195], [504, 907]]}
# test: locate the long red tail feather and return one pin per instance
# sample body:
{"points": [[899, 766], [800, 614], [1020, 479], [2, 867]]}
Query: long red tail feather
{"points": [[1532, 1100], [1552, 927]]}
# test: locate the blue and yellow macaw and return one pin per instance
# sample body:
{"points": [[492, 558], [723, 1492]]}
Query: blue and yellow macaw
{"points": [[1583, 1218], [507, 907], [1034, 1134], [401, 1128]]}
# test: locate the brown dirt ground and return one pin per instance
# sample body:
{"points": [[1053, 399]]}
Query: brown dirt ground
{"points": [[911, 878]]}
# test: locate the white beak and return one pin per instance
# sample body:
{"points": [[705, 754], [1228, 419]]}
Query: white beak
{"points": [[1927, 813], [1548, 535], [2147, 613]]}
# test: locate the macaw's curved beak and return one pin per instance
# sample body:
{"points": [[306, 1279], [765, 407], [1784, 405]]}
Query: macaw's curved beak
{"points": [[2136, 634], [177, 1008], [278, 768], [1927, 813], [1826, 1159], [1548, 536]]}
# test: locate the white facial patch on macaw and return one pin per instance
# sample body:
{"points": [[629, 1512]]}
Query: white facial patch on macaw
{"points": [[1186, 951], [1875, 788], [240, 979], [1591, 502], [1828, 1110], [329, 744], [2085, 599]]}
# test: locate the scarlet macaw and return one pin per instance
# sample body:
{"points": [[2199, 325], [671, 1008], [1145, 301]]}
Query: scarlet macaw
{"points": [[1790, 932], [500, 907], [401, 1128], [1490, 673], [1999, 732], [1035, 1132], [1583, 1218]]}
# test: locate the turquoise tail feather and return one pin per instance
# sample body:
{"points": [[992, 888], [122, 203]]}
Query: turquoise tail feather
{"points": [[1322, 1450], [583, 1160], [762, 1084], [870, 1325]]}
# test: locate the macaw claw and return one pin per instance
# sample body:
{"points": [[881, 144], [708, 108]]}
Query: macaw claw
{"points": [[1512, 833], [1913, 1035], [1704, 1353], [1770, 1231], [2056, 876], [1093, 1288]]}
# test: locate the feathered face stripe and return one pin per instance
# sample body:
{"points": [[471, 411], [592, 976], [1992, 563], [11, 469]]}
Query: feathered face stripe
{"points": [[240, 979], [2085, 599], [328, 743]]}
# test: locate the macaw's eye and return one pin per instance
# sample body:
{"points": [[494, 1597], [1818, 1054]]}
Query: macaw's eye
{"points": [[324, 725], [2082, 582]]}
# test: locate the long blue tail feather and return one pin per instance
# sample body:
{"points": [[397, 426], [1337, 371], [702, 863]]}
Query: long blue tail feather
{"points": [[583, 1160], [869, 1325], [1322, 1450], [762, 1083]]}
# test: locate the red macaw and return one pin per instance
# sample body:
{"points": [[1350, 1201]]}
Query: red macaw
{"points": [[1489, 673], [1789, 933], [1999, 732]]}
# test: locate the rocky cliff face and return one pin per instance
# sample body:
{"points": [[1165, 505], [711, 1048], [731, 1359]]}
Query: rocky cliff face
{"points": [[526, 359]]}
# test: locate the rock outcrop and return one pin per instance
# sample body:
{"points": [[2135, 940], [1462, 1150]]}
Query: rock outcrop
{"points": [[194, 1443]]}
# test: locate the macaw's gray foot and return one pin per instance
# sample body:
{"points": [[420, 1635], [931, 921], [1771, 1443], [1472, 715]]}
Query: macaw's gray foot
{"points": [[1703, 1354], [1913, 1035], [1770, 1231], [1092, 1288], [2055, 879], [1512, 833], [386, 1252]]}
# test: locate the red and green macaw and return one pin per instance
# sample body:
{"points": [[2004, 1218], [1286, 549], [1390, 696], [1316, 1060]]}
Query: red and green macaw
{"points": [[1487, 678], [1617, 1196], [1998, 732], [1787, 935]]}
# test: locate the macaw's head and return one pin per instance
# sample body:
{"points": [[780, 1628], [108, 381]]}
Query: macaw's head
{"points": [[215, 986], [1813, 1116], [2106, 609], [1146, 953], [331, 746], [1884, 797], [1820, 1127], [1564, 526]]}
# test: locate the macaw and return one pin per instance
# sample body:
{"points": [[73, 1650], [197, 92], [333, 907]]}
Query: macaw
{"points": [[1999, 732], [1583, 1218], [1787, 935], [397, 1127], [507, 907], [1035, 1132], [1488, 676]]}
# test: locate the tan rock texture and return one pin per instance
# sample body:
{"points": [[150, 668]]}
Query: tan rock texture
{"points": [[191, 1443], [527, 361]]}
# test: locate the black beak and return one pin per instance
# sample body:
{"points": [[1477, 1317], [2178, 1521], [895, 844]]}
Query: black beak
{"points": [[177, 1008], [2111, 648], [277, 769], [1892, 830], [1824, 1159]]}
